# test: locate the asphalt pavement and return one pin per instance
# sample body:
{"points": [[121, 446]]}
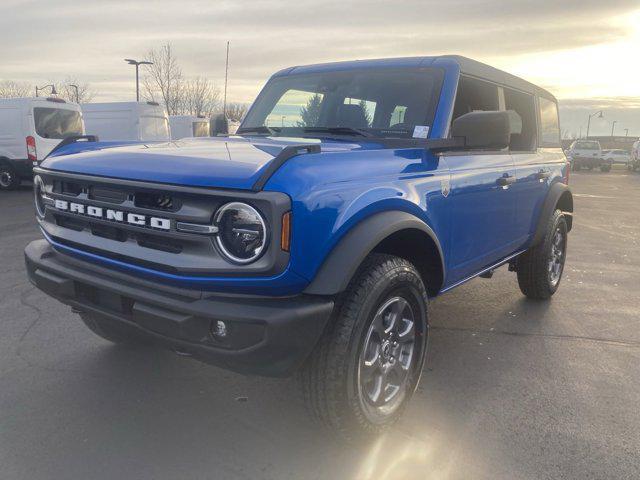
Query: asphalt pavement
{"points": [[512, 389]]}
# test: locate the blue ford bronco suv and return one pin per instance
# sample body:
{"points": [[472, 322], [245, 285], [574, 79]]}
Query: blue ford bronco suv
{"points": [[312, 240]]}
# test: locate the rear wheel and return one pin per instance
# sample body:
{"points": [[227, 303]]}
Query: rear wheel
{"points": [[540, 268], [605, 168], [366, 367], [8, 178]]}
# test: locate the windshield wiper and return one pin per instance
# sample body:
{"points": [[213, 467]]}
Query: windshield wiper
{"points": [[339, 131], [258, 129]]}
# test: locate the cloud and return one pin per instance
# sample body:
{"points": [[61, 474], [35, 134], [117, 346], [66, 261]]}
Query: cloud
{"points": [[89, 40]]}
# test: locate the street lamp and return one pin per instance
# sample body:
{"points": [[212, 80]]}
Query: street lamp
{"points": [[53, 89], [613, 125], [626, 132], [75, 87], [137, 64], [600, 115]]}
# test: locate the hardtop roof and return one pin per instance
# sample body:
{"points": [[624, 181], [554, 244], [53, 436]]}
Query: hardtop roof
{"points": [[467, 66]]}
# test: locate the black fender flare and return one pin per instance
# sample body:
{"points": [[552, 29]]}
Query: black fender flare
{"points": [[556, 193], [343, 261]]}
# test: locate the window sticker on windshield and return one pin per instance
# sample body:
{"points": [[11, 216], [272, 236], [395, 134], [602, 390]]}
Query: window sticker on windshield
{"points": [[421, 131]]}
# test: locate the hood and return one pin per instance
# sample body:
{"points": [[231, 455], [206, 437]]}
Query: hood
{"points": [[223, 162]]}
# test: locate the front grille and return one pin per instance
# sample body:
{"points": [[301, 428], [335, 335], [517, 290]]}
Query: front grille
{"points": [[106, 224]]}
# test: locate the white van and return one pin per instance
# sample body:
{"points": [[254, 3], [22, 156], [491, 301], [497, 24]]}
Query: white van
{"points": [[183, 126], [126, 121], [29, 129]]}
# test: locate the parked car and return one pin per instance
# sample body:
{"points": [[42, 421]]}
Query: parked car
{"points": [[634, 160], [616, 156], [183, 126], [588, 154], [126, 121], [313, 243], [29, 129]]}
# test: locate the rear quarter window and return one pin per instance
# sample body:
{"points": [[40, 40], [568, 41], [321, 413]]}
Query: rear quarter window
{"points": [[549, 123]]}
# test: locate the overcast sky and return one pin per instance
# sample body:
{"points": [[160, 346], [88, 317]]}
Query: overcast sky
{"points": [[587, 52]]}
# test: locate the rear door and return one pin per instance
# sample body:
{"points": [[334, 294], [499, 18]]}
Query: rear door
{"points": [[483, 203], [533, 170], [51, 123]]}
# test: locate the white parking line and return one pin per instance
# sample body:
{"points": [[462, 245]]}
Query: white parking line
{"points": [[586, 195]]}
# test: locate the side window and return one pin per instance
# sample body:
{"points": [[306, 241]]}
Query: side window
{"points": [[549, 127], [475, 95], [524, 105], [296, 108]]}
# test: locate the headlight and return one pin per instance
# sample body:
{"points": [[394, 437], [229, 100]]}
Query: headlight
{"points": [[242, 233], [39, 195]]}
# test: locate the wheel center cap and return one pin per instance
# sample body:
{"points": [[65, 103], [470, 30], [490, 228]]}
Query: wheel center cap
{"points": [[386, 350]]}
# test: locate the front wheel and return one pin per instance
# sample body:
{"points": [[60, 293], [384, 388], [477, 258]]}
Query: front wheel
{"points": [[368, 363], [605, 168], [540, 268]]}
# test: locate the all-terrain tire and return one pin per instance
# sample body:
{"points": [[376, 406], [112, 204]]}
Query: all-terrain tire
{"points": [[330, 377], [535, 276], [107, 330]]}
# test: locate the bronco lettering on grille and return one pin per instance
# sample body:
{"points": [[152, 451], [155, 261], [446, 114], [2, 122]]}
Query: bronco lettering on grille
{"points": [[113, 215]]}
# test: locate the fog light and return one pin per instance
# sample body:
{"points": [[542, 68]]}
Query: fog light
{"points": [[219, 329]]}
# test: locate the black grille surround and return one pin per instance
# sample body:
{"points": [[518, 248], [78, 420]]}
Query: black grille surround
{"points": [[174, 251]]}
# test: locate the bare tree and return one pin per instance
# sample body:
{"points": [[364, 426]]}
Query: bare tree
{"points": [[164, 79], [11, 89], [236, 111], [66, 91], [199, 97]]}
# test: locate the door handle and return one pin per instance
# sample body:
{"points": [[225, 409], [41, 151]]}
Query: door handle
{"points": [[542, 175], [506, 180]]}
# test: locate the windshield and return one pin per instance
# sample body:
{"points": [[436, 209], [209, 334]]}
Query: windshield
{"points": [[380, 103], [587, 146], [57, 123], [154, 128], [200, 129]]}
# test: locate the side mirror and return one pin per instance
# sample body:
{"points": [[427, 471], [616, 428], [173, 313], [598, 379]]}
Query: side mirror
{"points": [[219, 125], [486, 130]]}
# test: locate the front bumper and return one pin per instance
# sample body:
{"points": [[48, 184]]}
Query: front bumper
{"points": [[590, 161], [265, 336]]}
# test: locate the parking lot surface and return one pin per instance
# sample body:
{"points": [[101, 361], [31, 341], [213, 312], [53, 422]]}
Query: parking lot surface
{"points": [[512, 388]]}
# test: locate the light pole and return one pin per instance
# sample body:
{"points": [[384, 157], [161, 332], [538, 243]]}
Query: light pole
{"points": [[613, 125], [137, 64], [53, 89], [75, 87], [626, 132], [600, 115]]}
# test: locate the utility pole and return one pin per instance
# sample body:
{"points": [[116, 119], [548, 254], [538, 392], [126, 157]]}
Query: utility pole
{"points": [[226, 77], [613, 125], [626, 132]]}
